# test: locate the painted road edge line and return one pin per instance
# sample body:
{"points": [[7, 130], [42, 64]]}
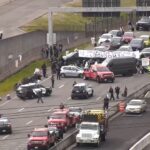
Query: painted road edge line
{"points": [[29, 122]]}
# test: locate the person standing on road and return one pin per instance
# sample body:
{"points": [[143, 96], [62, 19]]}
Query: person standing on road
{"points": [[52, 80], [125, 93], [111, 91], [58, 72], [117, 91], [39, 95], [44, 69], [106, 103]]}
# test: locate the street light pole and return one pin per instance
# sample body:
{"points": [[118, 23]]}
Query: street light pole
{"points": [[50, 32]]}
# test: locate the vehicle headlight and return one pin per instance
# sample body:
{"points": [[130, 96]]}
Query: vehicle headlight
{"points": [[96, 136], [78, 136]]}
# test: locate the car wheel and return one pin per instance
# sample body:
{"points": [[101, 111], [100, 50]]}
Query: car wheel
{"points": [[72, 97], [92, 93], [98, 79], [112, 80], [98, 143], [137, 28], [103, 137], [10, 131], [63, 75], [87, 96]]}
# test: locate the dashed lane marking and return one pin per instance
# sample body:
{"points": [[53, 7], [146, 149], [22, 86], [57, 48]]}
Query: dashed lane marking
{"points": [[5, 103], [98, 98], [5, 137], [69, 98], [50, 109], [61, 86], [20, 109], [29, 122]]}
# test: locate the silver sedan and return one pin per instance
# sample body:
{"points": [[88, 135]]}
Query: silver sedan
{"points": [[136, 106]]}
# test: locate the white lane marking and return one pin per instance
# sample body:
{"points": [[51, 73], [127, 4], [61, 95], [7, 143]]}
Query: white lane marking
{"points": [[69, 98], [20, 109], [29, 122], [98, 98], [5, 103], [61, 86], [5, 137], [50, 109]]}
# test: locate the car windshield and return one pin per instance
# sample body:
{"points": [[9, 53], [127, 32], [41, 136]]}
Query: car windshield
{"points": [[116, 41], [89, 127], [135, 42], [52, 128], [145, 38], [146, 50], [76, 88], [113, 32], [130, 34], [75, 110], [102, 69], [105, 36], [58, 116], [39, 134], [145, 19], [135, 102]]}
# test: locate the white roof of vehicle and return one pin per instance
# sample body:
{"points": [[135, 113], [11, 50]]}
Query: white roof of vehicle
{"points": [[136, 100], [29, 84], [142, 36], [80, 84], [93, 123]]}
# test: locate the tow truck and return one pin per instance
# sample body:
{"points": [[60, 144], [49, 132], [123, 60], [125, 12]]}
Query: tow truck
{"points": [[93, 127], [99, 73], [40, 138]]}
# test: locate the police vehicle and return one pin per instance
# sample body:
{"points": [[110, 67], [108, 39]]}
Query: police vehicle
{"points": [[30, 90], [82, 90], [5, 126]]}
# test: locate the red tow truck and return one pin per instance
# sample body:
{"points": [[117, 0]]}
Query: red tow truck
{"points": [[99, 73], [40, 138], [63, 118]]}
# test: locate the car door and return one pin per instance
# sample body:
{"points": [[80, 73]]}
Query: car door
{"points": [[89, 90], [74, 72], [67, 71]]}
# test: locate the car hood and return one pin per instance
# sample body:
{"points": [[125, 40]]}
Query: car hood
{"points": [[143, 22], [133, 106], [91, 132], [38, 138], [105, 73], [56, 121]]}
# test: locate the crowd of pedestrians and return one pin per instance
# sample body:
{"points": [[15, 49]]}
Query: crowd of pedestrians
{"points": [[114, 94]]}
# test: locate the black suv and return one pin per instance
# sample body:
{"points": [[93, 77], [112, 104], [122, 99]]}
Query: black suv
{"points": [[30, 90], [143, 23], [5, 126]]}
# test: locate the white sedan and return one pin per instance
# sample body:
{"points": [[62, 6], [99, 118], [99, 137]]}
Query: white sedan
{"points": [[136, 106], [104, 38]]}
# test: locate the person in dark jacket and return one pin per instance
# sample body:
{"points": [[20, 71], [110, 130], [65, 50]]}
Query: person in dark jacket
{"points": [[111, 91], [125, 93], [117, 91], [106, 103], [52, 80], [39, 95], [44, 69]]}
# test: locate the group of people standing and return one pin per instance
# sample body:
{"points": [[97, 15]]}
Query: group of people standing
{"points": [[110, 95]]}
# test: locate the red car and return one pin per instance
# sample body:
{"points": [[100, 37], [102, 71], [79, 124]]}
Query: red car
{"points": [[127, 37], [99, 73], [40, 138]]}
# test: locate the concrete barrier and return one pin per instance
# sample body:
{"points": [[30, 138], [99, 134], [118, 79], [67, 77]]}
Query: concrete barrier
{"points": [[71, 139], [142, 143]]}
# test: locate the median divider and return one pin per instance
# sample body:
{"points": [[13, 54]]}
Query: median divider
{"points": [[71, 139]]}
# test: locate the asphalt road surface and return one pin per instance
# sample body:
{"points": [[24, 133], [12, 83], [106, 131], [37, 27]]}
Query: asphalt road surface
{"points": [[124, 131], [26, 115], [19, 12]]}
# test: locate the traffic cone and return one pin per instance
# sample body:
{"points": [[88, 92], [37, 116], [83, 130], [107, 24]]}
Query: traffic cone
{"points": [[121, 106]]}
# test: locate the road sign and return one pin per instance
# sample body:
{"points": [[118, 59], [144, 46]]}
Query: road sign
{"points": [[53, 41]]}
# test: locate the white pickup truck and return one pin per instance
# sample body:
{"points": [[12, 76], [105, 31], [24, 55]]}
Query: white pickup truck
{"points": [[89, 132]]}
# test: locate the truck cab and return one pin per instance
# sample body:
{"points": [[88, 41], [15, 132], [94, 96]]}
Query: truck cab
{"points": [[93, 127], [61, 117], [99, 73], [40, 138]]}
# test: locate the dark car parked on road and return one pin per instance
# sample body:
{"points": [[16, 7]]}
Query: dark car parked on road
{"points": [[143, 23], [5, 126], [137, 44], [30, 90]]}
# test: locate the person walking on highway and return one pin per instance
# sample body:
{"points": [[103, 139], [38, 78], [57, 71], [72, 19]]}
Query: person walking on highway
{"points": [[111, 91], [125, 93], [52, 80], [58, 72], [117, 91], [106, 103], [39, 95], [44, 69]]}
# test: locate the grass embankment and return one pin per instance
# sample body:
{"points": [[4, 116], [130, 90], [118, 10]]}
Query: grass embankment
{"points": [[128, 3], [8, 84]]}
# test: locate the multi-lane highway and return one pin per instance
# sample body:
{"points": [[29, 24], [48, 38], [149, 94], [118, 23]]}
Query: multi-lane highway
{"points": [[26, 115], [124, 131], [19, 12]]}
